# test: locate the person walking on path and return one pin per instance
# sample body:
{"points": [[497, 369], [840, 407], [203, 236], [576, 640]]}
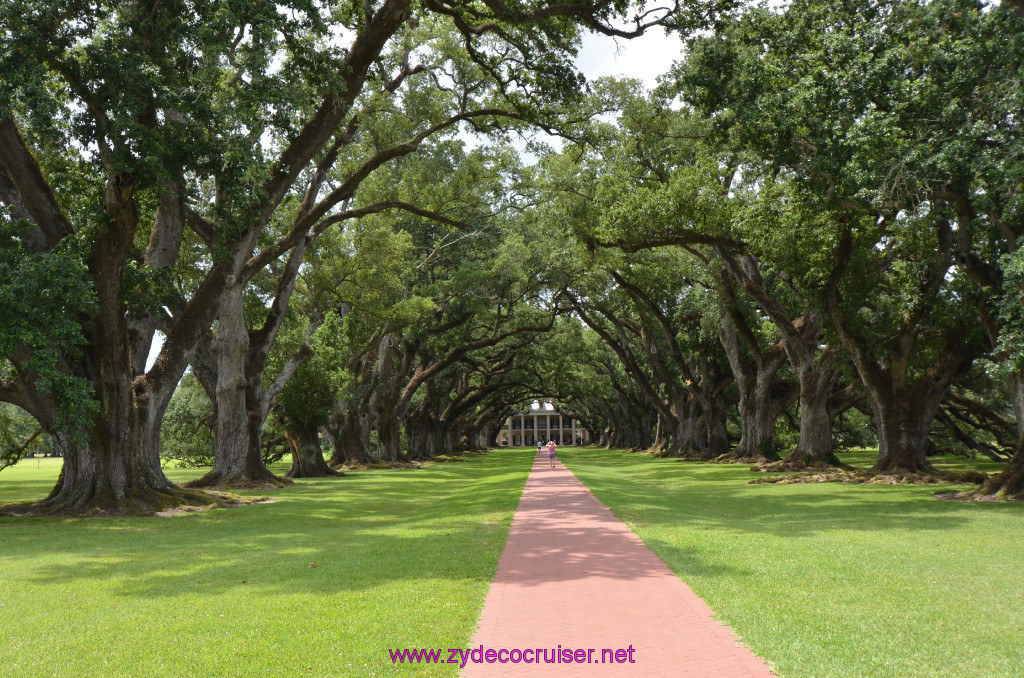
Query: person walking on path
{"points": [[551, 452], [540, 444]]}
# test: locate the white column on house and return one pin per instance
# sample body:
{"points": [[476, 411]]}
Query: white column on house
{"points": [[572, 422]]}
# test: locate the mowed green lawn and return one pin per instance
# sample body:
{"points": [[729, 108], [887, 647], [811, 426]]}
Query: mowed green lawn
{"points": [[821, 580], [831, 579], [320, 583]]}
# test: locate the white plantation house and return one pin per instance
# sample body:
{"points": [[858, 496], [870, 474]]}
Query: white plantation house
{"points": [[542, 422]]}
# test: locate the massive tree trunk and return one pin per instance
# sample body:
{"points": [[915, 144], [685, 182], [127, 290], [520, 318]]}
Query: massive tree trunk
{"points": [[1010, 483], [688, 436], [661, 437], [903, 404], [97, 480], [425, 436], [814, 446], [753, 370], [1006, 485], [712, 414], [115, 464], [1017, 400], [307, 456], [492, 435], [758, 411], [718, 437], [815, 369], [349, 439], [387, 403], [817, 377], [389, 437], [903, 419], [238, 456], [904, 408], [242, 405], [113, 467]]}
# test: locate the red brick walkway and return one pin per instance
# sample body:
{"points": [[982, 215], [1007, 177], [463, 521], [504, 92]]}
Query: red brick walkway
{"points": [[572, 574]]}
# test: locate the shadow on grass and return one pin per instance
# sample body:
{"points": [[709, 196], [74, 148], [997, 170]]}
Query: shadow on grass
{"points": [[320, 536], [444, 522], [713, 496]]}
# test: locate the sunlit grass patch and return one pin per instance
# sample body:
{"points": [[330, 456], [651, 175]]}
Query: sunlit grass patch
{"points": [[321, 582], [832, 579]]}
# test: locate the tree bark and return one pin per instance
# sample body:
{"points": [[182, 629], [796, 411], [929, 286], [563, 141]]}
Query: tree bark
{"points": [[389, 438], [753, 379], [238, 456], [661, 438], [903, 406], [114, 466], [688, 435], [1017, 400], [307, 456], [89, 484], [718, 438], [349, 440], [815, 368], [814, 447], [903, 419], [424, 439], [1008, 485]]}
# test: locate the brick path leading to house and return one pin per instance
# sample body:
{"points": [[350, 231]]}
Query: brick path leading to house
{"points": [[573, 574]]}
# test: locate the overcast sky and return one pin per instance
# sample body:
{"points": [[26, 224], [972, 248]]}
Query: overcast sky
{"points": [[644, 58]]}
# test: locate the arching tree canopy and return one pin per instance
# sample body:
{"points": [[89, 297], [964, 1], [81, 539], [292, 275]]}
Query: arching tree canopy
{"points": [[315, 212]]}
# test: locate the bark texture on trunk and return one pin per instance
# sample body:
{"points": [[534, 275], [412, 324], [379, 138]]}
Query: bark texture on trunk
{"points": [[113, 467], [903, 421], [425, 438], [91, 484], [753, 372], [689, 435], [238, 455], [904, 404], [815, 367], [1017, 400], [389, 438], [661, 438], [758, 412], [307, 456], [817, 375], [814, 447], [718, 438], [1008, 485], [349, 439]]}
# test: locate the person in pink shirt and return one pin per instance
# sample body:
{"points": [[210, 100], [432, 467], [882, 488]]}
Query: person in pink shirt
{"points": [[551, 452]]}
